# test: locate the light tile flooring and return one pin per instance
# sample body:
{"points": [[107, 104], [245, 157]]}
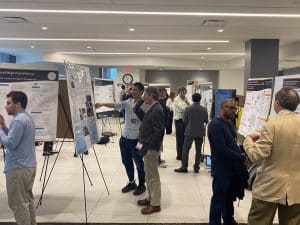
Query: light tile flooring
{"points": [[185, 197]]}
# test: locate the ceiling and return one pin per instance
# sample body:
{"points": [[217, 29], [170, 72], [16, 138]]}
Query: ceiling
{"points": [[151, 30]]}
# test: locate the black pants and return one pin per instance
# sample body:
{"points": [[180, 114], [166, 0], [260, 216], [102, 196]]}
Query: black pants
{"points": [[169, 123], [179, 126], [188, 141], [48, 146]]}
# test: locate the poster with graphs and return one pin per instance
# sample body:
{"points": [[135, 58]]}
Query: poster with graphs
{"points": [[104, 93], [257, 105], [82, 107], [41, 88], [206, 91]]}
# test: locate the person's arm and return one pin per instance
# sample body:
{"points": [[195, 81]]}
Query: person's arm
{"points": [[158, 124], [138, 110], [12, 139], [261, 149], [3, 125]]}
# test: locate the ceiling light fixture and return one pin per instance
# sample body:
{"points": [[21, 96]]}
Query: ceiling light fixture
{"points": [[154, 13], [154, 53], [220, 30], [88, 47], [44, 28], [202, 57], [209, 48], [32, 46], [148, 48], [111, 40], [131, 29]]}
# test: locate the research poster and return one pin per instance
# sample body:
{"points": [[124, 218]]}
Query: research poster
{"points": [[41, 88], [206, 91], [104, 93], [82, 107], [286, 81], [257, 105]]}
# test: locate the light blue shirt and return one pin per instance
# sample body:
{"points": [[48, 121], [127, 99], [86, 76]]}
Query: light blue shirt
{"points": [[19, 141]]}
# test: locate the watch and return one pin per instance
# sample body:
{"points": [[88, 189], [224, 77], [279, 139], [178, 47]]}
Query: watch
{"points": [[127, 78]]}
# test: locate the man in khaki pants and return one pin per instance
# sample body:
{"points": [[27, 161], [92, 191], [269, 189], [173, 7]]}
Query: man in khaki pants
{"points": [[151, 135], [277, 148], [20, 160]]}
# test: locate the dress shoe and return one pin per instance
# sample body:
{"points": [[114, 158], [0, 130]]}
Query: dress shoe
{"points": [[181, 170], [150, 209], [129, 187], [196, 170], [178, 158], [140, 190], [231, 223], [143, 202]]}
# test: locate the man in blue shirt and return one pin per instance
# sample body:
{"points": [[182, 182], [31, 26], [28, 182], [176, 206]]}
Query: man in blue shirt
{"points": [[20, 161]]}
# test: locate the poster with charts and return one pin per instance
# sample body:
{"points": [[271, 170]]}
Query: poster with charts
{"points": [[41, 88], [104, 93], [257, 105], [206, 91], [286, 81], [81, 100]]}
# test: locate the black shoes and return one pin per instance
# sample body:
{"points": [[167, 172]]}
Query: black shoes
{"points": [[139, 190], [178, 158], [103, 140], [231, 223], [49, 153], [181, 170], [129, 187]]}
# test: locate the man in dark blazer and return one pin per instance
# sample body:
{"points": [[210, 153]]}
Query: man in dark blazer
{"points": [[151, 135], [194, 119]]}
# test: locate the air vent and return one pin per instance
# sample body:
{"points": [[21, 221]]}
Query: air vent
{"points": [[213, 23], [14, 19]]}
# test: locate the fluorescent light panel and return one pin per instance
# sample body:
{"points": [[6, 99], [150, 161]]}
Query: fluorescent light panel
{"points": [[271, 15], [153, 53], [111, 40]]}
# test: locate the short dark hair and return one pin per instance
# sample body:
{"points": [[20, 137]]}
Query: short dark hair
{"points": [[196, 97], [18, 96], [287, 98], [152, 91], [181, 89], [225, 101], [139, 85]]}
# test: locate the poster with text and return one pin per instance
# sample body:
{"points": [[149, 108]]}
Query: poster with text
{"points": [[41, 88], [206, 91], [286, 81], [257, 105], [82, 107], [104, 93]]}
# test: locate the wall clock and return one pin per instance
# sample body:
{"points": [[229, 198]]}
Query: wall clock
{"points": [[127, 78]]}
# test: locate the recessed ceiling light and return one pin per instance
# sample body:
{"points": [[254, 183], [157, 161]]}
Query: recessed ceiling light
{"points": [[209, 48], [131, 29], [88, 47], [32, 46], [220, 30], [148, 48], [202, 57], [44, 28], [154, 53], [200, 69]]}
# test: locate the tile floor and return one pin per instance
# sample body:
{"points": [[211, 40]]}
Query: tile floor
{"points": [[185, 197]]}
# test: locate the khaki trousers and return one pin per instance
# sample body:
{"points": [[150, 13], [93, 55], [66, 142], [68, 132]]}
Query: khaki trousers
{"points": [[262, 213], [152, 177], [19, 185]]}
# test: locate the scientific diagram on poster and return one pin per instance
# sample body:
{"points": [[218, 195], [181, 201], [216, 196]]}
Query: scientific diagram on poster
{"points": [[104, 93], [257, 105], [41, 88], [82, 107], [206, 91]]}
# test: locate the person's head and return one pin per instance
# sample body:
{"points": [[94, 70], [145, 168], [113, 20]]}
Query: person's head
{"points": [[16, 101], [150, 95], [182, 92], [172, 95], [196, 97], [162, 93], [137, 90], [286, 98], [228, 109]]}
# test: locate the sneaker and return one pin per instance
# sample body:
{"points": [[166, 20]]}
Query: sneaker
{"points": [[129, 187], [181, 170], [140, 190]]}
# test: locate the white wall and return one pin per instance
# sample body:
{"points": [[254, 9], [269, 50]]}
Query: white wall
{"points": [[232, 79]]}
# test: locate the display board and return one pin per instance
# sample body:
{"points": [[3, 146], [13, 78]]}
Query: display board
{"points": [[190, 89], [220, 95], [41, 88], [82, 107], [104, 93], [257, 105], [286, 81], [206, 91]]}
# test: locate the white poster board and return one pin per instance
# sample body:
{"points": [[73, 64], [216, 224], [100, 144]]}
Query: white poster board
{"points": [[206, 91], [286, 81], [257, 105], [41, 88], [104, 93], [82, 107]]}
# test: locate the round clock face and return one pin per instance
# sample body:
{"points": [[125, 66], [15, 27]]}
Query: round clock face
{"points": [[127, 78]]}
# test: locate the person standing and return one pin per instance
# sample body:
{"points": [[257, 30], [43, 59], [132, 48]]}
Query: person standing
{"points": [[180, 103], [195, 118], [169, 104], [129, 139], [228, 172], [150, 139], [20, 160], [277, 149]]}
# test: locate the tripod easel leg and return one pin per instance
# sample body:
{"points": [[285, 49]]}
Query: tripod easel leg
{"points": [[84, 191]]}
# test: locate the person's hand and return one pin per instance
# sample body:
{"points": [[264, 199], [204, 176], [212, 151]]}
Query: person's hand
{"points": [[254, 135], [2, 121]]}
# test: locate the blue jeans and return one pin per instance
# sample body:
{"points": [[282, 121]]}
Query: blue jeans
{"points": [[221, 204], [130, 154]]}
